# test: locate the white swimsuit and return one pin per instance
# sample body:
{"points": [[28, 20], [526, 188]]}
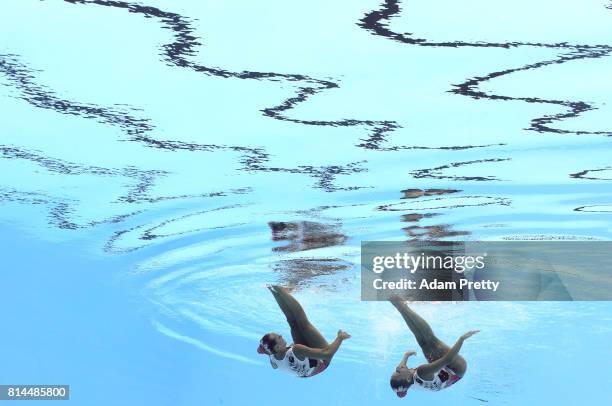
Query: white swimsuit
{"points": [[292, 364], [443, 379]]}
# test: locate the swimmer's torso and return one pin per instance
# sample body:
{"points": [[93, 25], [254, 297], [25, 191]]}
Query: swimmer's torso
{"points": [[292, 364]]}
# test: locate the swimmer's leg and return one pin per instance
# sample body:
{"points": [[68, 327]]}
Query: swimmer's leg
{"points": [[419, 327], [296, 334], [294, 312], [433, 348], [457, 364]]}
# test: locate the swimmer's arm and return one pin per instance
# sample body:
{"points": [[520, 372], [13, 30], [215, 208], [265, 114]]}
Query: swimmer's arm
{"points": [[427, 371], [404, 360], [325, 354]]}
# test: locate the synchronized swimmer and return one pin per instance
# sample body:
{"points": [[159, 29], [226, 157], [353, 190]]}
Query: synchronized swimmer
{"points": [[310, 354], [445, 366]]}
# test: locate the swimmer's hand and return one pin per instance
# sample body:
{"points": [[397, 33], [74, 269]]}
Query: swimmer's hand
{"points": [[404, 360], [343, 335], [469, 334], [324, 354]]}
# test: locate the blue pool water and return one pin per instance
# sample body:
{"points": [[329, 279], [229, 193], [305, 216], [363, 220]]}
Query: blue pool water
{"points": [[162, 162]]}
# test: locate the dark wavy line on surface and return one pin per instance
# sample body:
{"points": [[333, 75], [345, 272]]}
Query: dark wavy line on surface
{"points": [[61, 209], [433, 172], [185, 44], [16, 196], [583, 208], [443, 148], [582, 174], [143, 180], [326, 175], [111, 245], [57, 165], [539, 124], [252, 159], [58, 211], [237, 191], [493, 201], [373, 21], [317, 212], [42, 97], [149, 233], [60, 214], [39, 96], [376, 21]]}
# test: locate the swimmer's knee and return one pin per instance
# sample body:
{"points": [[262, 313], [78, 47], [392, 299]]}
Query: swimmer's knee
{"points": [[459, 366]]}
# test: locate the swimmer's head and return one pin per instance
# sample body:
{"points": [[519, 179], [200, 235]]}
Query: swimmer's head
{"points": [[271, 343], [400, 383]]}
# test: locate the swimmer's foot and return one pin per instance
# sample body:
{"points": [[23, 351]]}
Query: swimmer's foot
{"points": [[343, 335], [396, 300], [274, 288]]}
